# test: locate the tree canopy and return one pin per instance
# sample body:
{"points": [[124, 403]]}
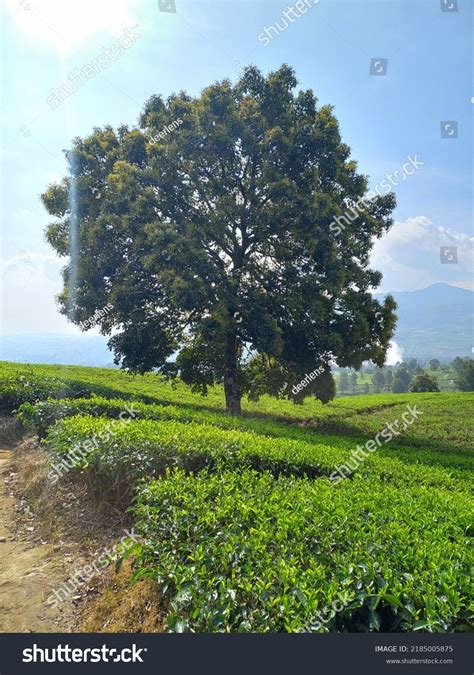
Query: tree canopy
{"points": [[424, 382], [464, 377], [207, 232], [401, 381]]}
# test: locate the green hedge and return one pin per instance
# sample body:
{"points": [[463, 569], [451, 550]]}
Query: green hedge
{"points": [[42, 414], [242, 551], [16, 390], [144, 448]]}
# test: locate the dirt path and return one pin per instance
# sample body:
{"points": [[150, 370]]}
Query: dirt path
{"points": [[29, 568], [46, 533]]}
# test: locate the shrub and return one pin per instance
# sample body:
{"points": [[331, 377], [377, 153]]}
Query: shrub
{"points": [[245, 552], [464, 377], [39, 416], [424, 382], [21, 388], [145, 448]]}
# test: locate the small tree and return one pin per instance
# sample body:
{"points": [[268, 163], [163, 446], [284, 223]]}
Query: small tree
{"points": [[401, 381], [424, 382], [457, 363], [434, 364], [464, 378], [378, 379], [413, 366], [343, 381], [389, 379], [353, 379]]}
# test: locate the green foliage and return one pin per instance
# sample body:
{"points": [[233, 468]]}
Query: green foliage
{"points": [[245, 552], [142, 448], [401, 381], [447, 422], [378, 378], [424, 382], [42, 415], [220, 237], [244, 530], [457, 363], [343, 380], [28, 386], [465, 376], [353, 379], [266, 375]]}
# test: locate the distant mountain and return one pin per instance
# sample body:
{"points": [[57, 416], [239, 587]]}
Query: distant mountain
{"points": [[74, 350], [435, 322]]}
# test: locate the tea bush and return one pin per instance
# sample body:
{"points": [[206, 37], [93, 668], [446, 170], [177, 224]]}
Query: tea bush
{"points": [[241, 525], [141, 448], [243, 551]]}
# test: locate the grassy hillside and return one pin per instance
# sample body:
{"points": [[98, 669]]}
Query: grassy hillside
{"points": [[243, 525]]}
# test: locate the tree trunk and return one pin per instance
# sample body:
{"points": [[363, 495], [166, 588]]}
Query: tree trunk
{"points": [[231, 383]]}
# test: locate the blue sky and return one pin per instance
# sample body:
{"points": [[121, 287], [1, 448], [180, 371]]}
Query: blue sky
{"points": [[383, 118]]}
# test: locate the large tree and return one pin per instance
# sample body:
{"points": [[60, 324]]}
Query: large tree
{"points": [[209, 232]]}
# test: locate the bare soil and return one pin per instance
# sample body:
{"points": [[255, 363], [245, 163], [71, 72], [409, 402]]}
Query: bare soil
{"points": [[47, 532], [29, 566]]}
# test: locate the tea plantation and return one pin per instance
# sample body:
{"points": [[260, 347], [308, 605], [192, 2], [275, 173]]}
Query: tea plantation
{"points": [[242, 525]]}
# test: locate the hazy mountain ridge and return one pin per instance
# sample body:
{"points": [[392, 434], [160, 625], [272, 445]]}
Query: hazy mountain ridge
{"points": [[434, 322], [74, 350]]}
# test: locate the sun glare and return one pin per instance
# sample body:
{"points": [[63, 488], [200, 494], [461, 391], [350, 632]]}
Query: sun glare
{"points": [[66, 25]]}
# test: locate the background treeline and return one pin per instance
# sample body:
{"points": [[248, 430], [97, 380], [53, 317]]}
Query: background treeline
{"points": [[406, 376]]}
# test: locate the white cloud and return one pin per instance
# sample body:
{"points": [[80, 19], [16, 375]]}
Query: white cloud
{"points": [[394, 354], [409, 256], [66, 25], [23, 216], [30, 282], [53, 178]]}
